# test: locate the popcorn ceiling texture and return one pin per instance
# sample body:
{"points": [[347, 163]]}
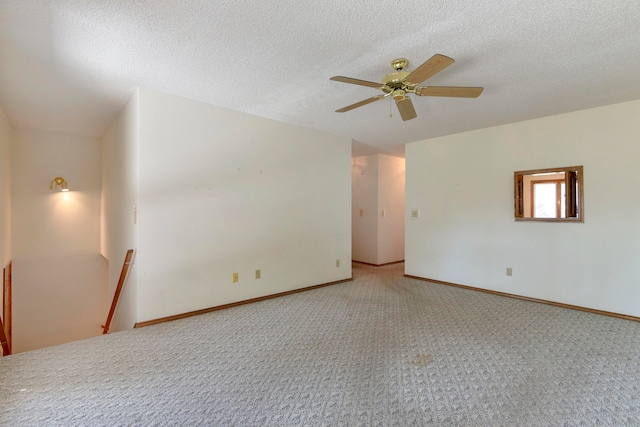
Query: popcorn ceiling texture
{"points": [[69, 66]]}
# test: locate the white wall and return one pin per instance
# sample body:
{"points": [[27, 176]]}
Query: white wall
{"points": [[364, 212], [378, 184], [222, 192], [5, 190], [391, 199], [463, 185], [59, 277], [119, 199]]}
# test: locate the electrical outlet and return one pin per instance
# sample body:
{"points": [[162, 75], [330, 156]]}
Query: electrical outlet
{"points": [[509, 271], [337, 263], [257, 274], [361, 213], [383, 213], [235, 277]]}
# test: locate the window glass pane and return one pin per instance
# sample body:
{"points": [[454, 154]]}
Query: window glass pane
{"points": [[544, 200]]}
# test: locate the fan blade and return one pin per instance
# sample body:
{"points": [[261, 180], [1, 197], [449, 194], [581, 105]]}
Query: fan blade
{"points": [[431, 67], [360, 104], [454, 91], [356, 82], [405, 106]]}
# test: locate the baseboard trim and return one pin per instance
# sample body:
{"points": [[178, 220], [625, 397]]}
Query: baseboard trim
{"points": [[234, 304], [378, 265], [541, 301]]}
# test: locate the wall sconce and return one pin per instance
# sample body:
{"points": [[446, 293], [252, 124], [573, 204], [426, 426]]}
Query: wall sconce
{"points": [[59, 182]]}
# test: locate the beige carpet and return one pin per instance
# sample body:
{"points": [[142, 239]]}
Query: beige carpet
{"points": [[382, 350]]}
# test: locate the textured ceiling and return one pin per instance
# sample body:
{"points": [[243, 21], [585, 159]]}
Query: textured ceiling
{"points": [[70, 66]]}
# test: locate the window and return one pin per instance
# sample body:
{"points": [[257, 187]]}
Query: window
{"points": [[554, 194], [548, 198]]}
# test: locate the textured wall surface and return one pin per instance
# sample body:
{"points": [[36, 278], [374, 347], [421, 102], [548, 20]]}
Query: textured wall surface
{"points": [[5, 189], [364, 216], [59, 276], [463, 186], [377, 218], [118, 231], [223, 192]]}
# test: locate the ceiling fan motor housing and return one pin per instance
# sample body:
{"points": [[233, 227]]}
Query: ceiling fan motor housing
{"points": [[395, 80]]}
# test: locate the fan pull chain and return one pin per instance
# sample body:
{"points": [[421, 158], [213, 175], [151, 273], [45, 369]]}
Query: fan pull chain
{"points": [[390, 107]]}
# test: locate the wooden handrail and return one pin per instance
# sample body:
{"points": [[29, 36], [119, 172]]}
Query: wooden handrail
{"points": [[6, 350], [5, 322], [116, 296]]}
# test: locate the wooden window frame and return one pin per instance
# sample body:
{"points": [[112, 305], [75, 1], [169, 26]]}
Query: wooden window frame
{"points": [[574, 179]]}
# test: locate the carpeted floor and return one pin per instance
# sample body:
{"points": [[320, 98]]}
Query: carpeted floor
{"points": [[383, 350]]}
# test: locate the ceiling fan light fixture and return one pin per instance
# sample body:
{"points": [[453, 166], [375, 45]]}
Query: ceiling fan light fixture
{"points": [[399, 94]]}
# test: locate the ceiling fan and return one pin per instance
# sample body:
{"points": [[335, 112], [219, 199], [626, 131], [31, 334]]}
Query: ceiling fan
{"points": [[401, 83]]}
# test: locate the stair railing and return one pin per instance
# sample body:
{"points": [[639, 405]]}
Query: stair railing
{"points": [[116, 295], [5, 321]]}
